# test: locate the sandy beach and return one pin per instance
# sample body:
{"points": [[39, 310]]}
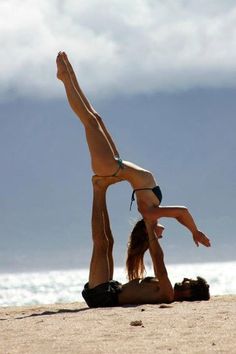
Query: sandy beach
{"points": [[198, 327]]}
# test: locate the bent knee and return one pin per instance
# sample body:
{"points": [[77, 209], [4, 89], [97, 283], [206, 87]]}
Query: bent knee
{"points": [[91, 121], [98, 117]]}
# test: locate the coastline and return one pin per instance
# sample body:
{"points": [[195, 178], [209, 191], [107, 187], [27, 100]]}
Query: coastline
{"points": [[72, 328]]}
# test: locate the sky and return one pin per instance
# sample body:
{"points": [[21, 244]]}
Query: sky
{"points": [[163, 76]]}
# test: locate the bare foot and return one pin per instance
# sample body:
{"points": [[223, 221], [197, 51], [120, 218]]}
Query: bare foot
{"points": [[68, 64], [61, 67], [103, 182]]}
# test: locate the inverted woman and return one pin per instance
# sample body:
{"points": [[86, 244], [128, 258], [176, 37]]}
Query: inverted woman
{"points": [[106, 161]]}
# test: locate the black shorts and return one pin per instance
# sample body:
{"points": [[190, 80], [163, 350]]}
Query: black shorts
{"points": [[103, 295]]}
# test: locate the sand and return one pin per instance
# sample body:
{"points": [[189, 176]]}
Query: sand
{"points": [[198, 327]]}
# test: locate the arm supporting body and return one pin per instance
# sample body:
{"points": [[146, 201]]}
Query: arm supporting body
{"points": [[159, 267]]}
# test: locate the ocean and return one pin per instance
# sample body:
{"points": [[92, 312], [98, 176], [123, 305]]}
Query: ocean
{"points": [[63, 286]]}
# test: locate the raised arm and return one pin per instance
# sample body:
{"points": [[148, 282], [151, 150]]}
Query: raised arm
{"points": [[183, 216], [159, 267]]}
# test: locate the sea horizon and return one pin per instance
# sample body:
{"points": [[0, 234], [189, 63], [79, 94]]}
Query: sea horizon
{"points": [[64, 286]]}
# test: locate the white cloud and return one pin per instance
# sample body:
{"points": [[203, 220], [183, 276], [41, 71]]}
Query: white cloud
{"points": [[133, 46]]}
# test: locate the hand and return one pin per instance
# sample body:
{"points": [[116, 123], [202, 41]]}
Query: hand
{"points": [[156, 227], [200, 237], [159, 229]]}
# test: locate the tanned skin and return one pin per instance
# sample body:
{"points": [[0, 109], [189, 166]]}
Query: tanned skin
{"points": [[103, 152]]}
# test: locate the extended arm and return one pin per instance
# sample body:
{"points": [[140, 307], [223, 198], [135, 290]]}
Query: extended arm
{"points": [[183, 216], [158, 264]]}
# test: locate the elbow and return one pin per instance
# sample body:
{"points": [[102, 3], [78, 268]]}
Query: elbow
{"points": [[183, 211], [167, 290]]}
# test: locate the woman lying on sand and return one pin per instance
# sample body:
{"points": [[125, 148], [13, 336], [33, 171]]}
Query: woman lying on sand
{"points": [[106, 161]]}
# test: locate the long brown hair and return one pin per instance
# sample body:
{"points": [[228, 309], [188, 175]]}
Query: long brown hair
{"points": [[137, 246]]}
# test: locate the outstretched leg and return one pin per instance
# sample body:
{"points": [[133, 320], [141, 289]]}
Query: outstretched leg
{"points": [[101, 146], [101, 266], [88, 104], [102, 154]]}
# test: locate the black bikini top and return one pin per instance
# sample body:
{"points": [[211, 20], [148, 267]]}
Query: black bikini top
{"points": [[156, 190]]}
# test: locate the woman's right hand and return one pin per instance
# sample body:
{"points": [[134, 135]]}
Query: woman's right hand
{"points": [[200, 237]]}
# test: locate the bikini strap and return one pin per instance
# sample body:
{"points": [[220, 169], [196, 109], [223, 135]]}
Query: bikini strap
{"points": [[132, 200], [120, 166]]}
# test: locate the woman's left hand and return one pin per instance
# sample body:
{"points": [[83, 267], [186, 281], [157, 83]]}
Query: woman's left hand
{"points": [[159, 229]]}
